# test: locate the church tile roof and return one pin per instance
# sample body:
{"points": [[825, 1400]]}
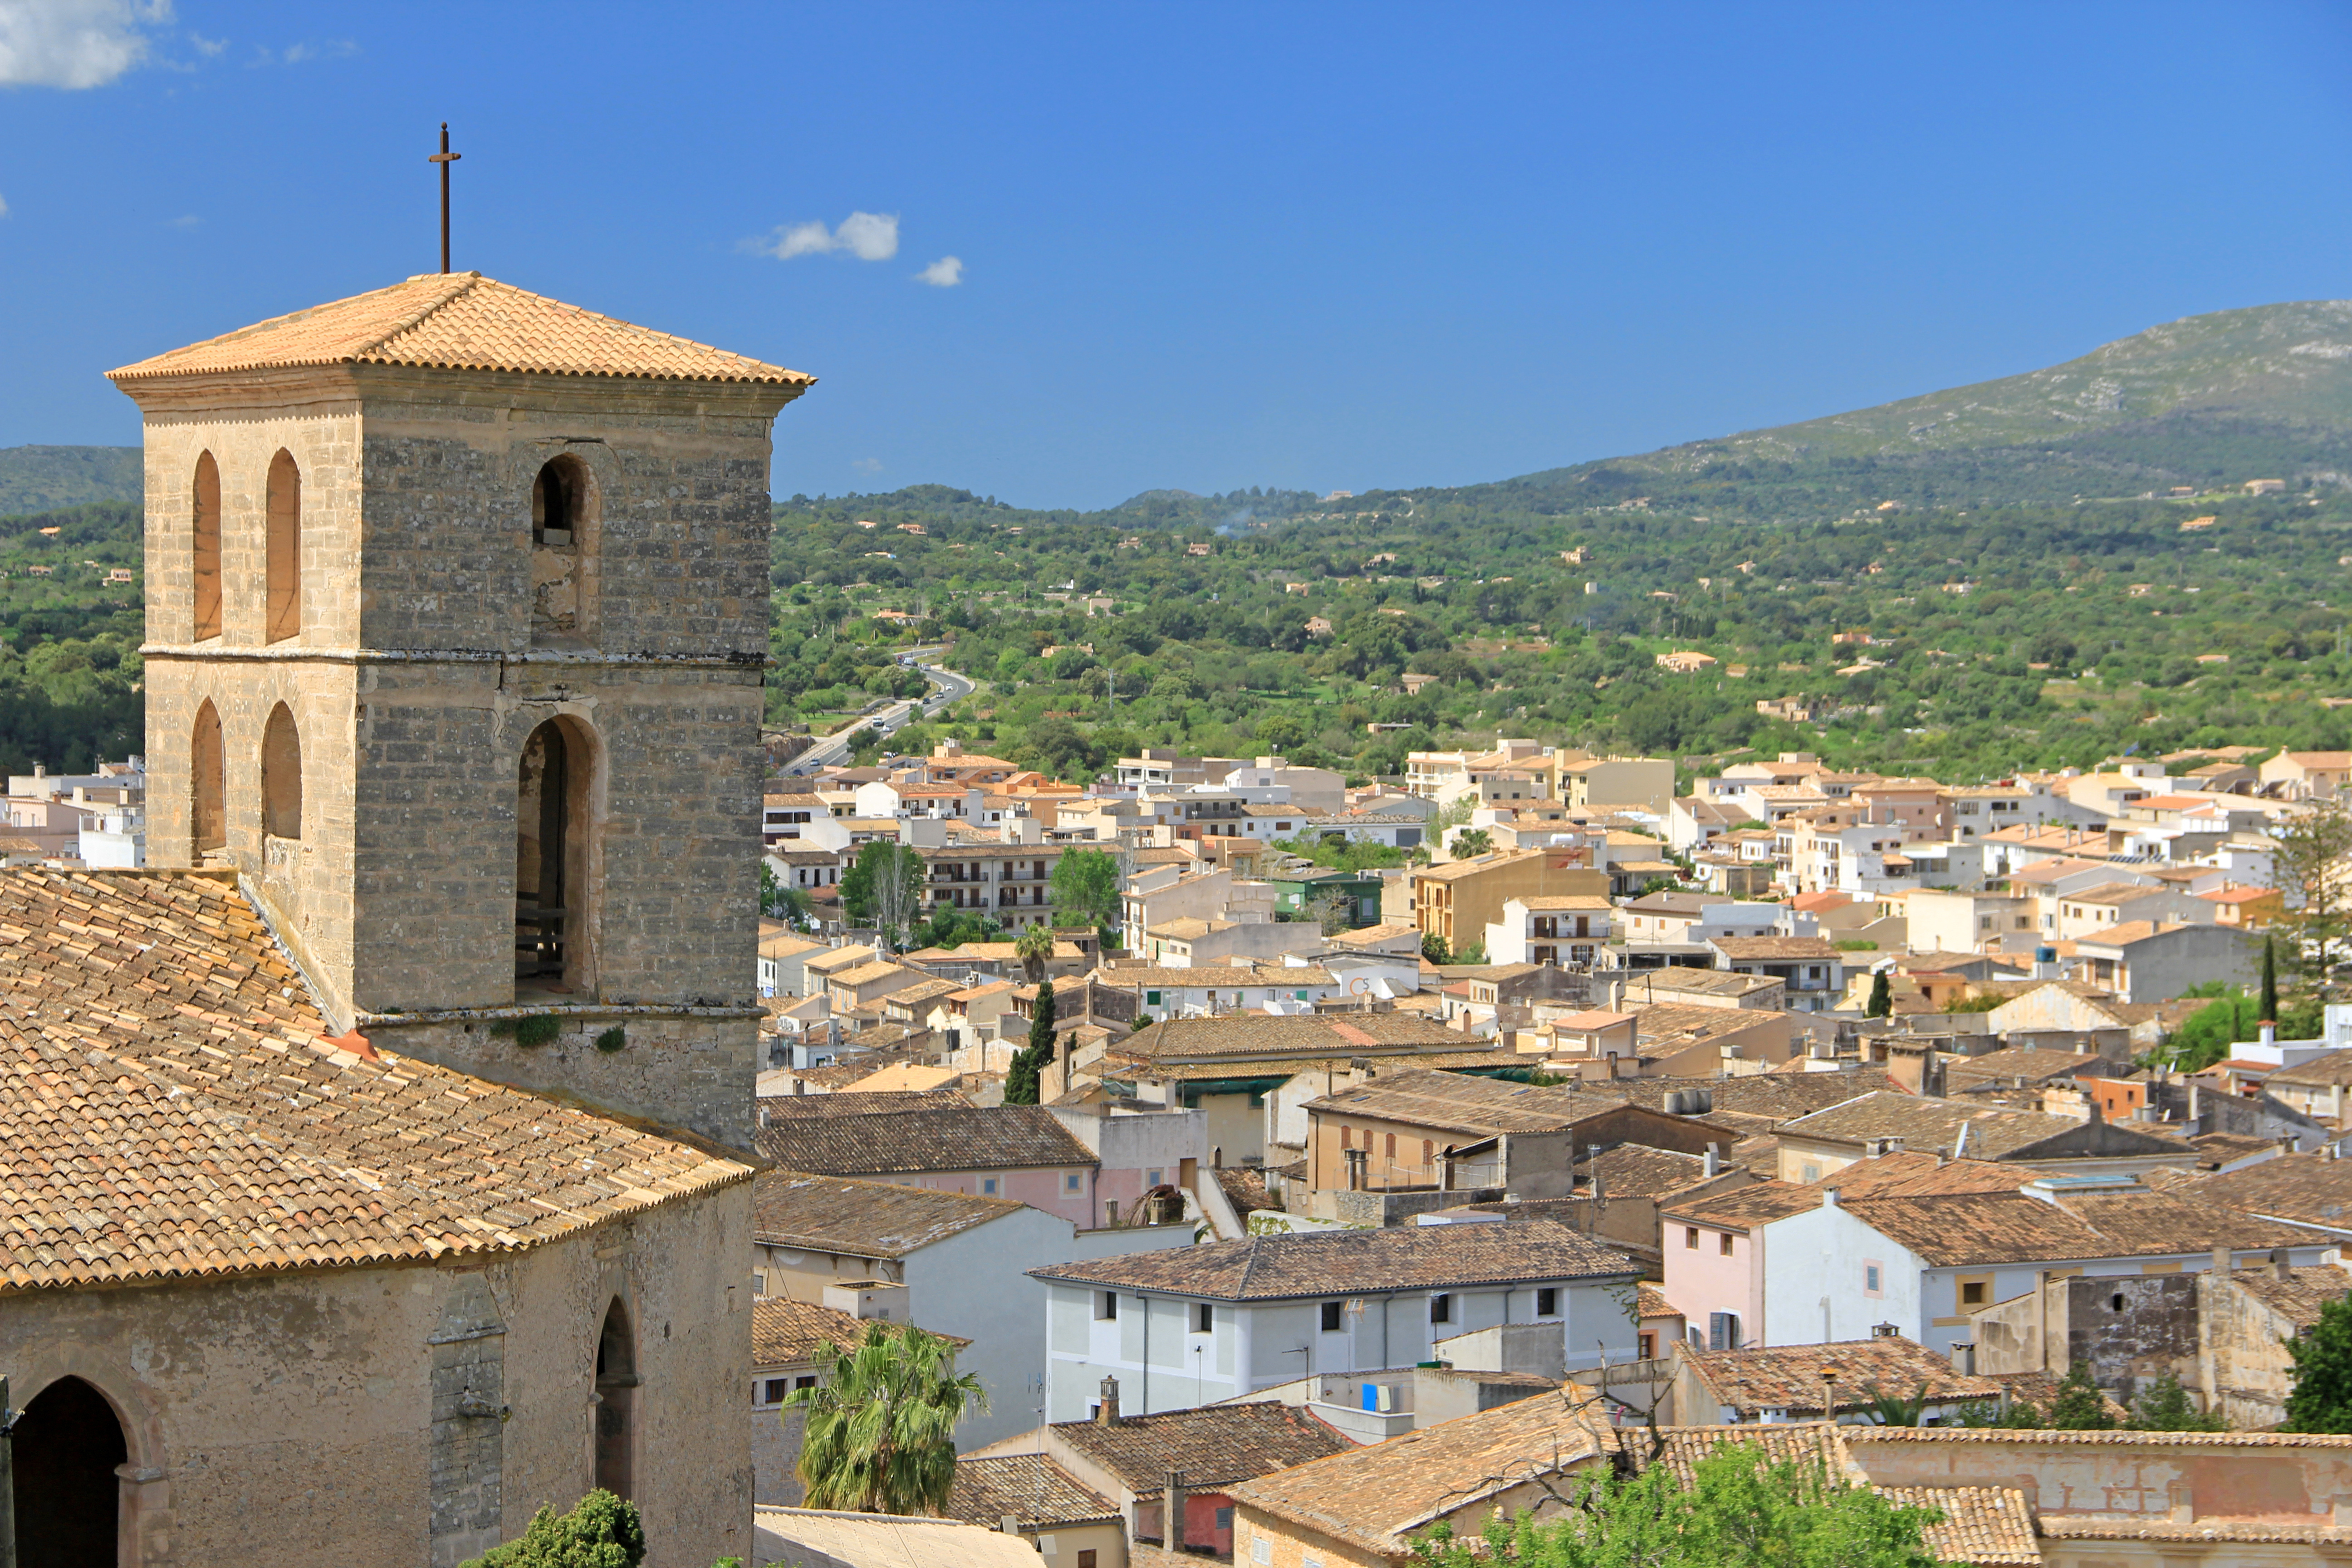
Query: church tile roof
{"points": [[785, 1333], [168, 1111], [460, 321]]}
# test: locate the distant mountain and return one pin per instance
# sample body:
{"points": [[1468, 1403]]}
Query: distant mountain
{"points": [[2265, 393], [39, 478]]}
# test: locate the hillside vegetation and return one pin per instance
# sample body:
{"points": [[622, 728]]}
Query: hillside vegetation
{"points": [[1966, 583]]}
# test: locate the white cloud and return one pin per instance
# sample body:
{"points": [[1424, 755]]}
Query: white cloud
{"points": [[4, 206], [944, 273], [869, 237], [867, 465], [185, 220], [74, 43], [209, 48]]}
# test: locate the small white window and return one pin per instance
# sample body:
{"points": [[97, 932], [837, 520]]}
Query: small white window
{"points": [[1870, 1277], [1261, 1548]]}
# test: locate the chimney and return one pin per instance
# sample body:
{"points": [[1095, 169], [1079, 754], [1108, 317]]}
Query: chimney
{"points": [[1171, 1512], [2221, 1260], [1829, 1197], [1106, 1412], [1964, 1358], [2269, 1032], [2280, 1264], [1713, 1164]]}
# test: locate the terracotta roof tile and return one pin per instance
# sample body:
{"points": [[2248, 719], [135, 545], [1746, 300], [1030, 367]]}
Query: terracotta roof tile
{"points": [[793, 1107], [1335, 1262], [460, 321], [172, 1111], [1455, 1102], [1213, 1444], [1379, 1497], [862, 1219], [892, 1141], [785, 1333], [1030, 1488], [1789, 1377], [2309, 1189]]}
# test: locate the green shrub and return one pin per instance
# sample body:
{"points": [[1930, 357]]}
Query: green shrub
{"points": [[613, 1039], [603, 1531], [532, 1031]]}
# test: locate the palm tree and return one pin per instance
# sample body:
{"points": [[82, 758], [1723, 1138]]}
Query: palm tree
{"points": [[1471, 842], [880, 1432], [1032, 947]]}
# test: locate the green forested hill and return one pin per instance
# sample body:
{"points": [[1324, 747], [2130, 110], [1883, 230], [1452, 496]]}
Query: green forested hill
{"points": [[39, 478], [2016, 584]]}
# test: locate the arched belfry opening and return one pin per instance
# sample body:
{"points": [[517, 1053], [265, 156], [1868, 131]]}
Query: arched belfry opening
{"points": [[205, 545], [553, 884], [283, 549], [616, 1400], [281, 775], [563, 516], [208, 782], [65, 1448]]}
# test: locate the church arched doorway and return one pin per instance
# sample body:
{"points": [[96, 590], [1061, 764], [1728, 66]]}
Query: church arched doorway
{"points": [[553, 884], [616, 1400], [65, 1448]]}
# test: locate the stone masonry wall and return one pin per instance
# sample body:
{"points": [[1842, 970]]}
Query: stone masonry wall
{"points": [[321, 1415]]}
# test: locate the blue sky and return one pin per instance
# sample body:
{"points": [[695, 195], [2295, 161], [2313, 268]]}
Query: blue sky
{"points": [[1196, 246]]}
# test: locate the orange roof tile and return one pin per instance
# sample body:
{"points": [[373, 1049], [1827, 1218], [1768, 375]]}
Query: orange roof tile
{"points": [[460, 321], [168, 1109]]}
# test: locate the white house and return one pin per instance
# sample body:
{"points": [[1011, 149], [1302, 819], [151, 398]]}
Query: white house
{"points": [[1562, 928], [1198, 1324]]}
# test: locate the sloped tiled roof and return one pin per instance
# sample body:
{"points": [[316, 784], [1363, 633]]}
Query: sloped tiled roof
{"points": [[2029, 1062], [2329, 1069], [1377, 1498], [941, 1138], [862, 1219], [1335, 1262], [2299, 1297], [460, 321], [171, 1112], [1759, 1205], [1930, 1123], [1453, 1102], [1213, 1444], [1320, 1036], [784, 1331], [1029, 1488], [871, 1102], [1979, 1228], [1779, 949], [1638, 1171], [1775, 1097], [1789, 1377], [2311, 1189], [1907, 1176]]}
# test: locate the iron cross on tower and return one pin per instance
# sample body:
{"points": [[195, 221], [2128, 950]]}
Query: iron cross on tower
{"points": [[445, 158]]}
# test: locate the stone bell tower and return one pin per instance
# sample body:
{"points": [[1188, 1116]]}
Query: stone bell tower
{"points": [[456, 619]]}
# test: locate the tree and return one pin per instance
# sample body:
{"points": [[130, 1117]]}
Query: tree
{"points": [[1085, 888], [2080, 1406], [1987, 1413], [601, 1532], [1034, 947], [1738, 1511], [884, 888], [2308, 865], [880, 1431], [1025, 1078], [1332, 911], [2165, 1406], [1473, 842], [1895, 1409], [1435, 947], [2322, 1397], [1882, 996], [2269, 1013]]}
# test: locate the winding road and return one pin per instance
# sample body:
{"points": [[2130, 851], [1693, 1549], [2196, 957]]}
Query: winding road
{"points": [[947, 687]]}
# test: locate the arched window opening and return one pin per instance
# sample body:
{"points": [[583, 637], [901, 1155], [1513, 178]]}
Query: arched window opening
{"points": [[562, 501], [616, 1400], [552, 881], [206, 543], [285, 548], [65, 1449], [281, 775], [208, 782]]}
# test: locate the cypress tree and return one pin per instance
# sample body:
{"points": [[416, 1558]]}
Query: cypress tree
{"points": [[2269, 1013]]}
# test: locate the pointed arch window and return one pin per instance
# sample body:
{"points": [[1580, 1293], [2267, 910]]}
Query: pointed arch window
{"points": [[284, 548], [208, 782], [553, 882], [205, 548], [564, 519], [281, 775], [67, 1445], [616, 1401]]}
